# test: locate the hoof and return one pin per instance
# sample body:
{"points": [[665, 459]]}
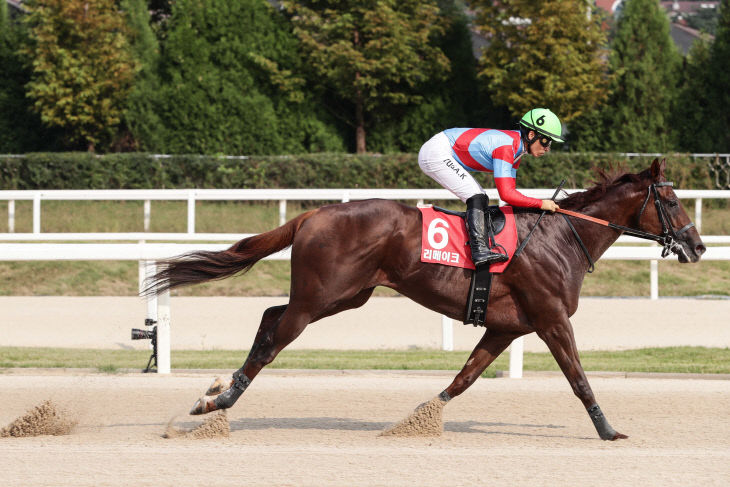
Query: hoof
{"points": [[203, 405], [618, 436], [218, 386]]}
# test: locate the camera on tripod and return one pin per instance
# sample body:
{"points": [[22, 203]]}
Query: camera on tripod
{"points": [[138, 334]]}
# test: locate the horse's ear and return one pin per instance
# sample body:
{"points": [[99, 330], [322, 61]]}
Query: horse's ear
{"points": [[657, 169]]}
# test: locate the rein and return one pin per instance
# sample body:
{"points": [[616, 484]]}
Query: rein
{"points": [[668, 238]]}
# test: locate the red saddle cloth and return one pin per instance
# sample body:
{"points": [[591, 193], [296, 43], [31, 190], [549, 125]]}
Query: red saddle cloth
{"points": [[444, 239]]}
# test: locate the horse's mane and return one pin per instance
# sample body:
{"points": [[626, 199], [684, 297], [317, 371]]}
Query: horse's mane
{"points": [[606, 179]]}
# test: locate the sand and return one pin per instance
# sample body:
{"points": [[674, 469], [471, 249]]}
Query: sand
{"points": [[44, 419], [426, 420], [215, 425], [323, 429]]}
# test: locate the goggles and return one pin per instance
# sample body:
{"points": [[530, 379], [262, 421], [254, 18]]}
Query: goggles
{"points": [[545, 141]]}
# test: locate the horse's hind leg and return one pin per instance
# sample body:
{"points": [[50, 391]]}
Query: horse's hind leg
{"points": [[279, 326]]}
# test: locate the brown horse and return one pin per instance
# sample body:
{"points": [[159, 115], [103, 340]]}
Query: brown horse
{"points": [[341, 252]]}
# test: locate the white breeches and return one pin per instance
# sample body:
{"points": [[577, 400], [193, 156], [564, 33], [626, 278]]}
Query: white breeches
{"points": [[436, 160]]}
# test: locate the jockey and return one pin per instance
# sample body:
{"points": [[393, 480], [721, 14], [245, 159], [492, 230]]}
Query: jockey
{"points": [[449, 156]]}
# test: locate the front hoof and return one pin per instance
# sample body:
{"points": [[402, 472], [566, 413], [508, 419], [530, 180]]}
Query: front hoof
{"points": [[618, 436], [204, 405]]}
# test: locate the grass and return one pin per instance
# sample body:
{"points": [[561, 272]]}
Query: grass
{"points": [[668, 360], [271, 278]]}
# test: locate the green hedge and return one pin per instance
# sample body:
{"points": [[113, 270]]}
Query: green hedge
{"points": [[142, 171]]}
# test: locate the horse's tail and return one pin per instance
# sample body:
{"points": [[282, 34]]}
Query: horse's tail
{"points": [[202, 266]]}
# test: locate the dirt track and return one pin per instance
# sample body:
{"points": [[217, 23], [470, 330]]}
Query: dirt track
{"points": [[321, 429], [231, 322]]}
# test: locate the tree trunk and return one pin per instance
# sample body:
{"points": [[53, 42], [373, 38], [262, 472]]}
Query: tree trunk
{"points": [[359, 127]]}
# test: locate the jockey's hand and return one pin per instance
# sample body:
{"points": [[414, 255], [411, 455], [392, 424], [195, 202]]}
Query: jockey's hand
{"points": [[549, 205]]}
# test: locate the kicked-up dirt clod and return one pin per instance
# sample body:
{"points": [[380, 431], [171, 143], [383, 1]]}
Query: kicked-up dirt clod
{"points": [[44, 419]]}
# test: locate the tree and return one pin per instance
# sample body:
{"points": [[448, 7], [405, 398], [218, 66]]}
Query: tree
{"points": [[695, 103], [645, 65], [717, 124], [140, 115], [231, 83], [370, 54], [81, 67], [543, 54]]}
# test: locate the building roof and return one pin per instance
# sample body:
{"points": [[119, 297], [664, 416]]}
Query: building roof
{"points": [[682, 35], [688, 7]]}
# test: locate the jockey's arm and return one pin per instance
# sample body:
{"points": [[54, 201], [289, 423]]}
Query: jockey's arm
{"points": [[505, 179]]}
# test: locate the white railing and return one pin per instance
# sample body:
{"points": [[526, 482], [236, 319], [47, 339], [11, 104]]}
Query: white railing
{"points": [[158, 307], [37, 246], [281, 195]]}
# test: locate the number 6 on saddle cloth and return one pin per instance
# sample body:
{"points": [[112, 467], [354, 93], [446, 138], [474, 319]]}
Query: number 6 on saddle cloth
{"points": [[445, 241]]}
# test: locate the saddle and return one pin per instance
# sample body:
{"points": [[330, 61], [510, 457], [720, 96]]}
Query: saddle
{"points": [[495, 215], [481, 277]]}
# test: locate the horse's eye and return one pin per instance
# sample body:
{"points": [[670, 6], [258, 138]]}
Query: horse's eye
{"points": [[673, 203]]}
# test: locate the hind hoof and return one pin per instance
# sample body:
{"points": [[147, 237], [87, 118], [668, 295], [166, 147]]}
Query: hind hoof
{"points": [[218, 386], [203, 405]]}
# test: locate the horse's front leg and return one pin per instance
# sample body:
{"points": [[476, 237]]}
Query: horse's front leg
{"points": [[427, 420], [558, 336], [491, 345]]}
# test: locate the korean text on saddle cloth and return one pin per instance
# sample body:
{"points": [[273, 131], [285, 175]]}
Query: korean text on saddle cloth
{"points": [[444, 239]]}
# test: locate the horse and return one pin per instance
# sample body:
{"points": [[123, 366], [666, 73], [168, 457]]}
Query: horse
{"points": [[341, 252]]}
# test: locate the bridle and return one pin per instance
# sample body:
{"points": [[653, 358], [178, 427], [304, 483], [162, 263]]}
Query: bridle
{"points": [[668, 239]]}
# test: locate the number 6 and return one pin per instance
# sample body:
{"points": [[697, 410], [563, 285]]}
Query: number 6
{"points": [[434, 230]]}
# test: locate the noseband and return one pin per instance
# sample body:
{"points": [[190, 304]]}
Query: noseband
{"points": [[669, 237]]}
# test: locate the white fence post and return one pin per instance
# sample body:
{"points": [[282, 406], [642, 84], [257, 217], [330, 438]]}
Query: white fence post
{"points": [[447, 334], [11, 216], [654, 278], [516, 351], [698, 214], [147, 214], [282, 212], [37, 213], [163, 333], [191, 211]]}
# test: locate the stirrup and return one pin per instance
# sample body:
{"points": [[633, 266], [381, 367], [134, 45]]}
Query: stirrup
{"points": [[489, 258]]}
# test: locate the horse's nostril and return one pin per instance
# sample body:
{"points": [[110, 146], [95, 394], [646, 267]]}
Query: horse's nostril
{"points": [[700, 249]]}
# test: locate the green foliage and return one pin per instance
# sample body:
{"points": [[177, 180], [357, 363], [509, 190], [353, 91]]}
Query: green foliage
{"points": [[694, 107], [456, 101], [141, 118], [230, 84], [546, 56], [645, 65], [400, 170], [81, 67], [373, 55], [20, 129], [704, 20], [717, 123]]}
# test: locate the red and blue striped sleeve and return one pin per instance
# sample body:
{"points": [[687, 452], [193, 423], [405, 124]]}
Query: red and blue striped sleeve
{"points": [[505, 177]]}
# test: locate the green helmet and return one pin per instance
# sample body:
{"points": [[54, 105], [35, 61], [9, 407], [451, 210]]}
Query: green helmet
{"points": [[544, 122]]}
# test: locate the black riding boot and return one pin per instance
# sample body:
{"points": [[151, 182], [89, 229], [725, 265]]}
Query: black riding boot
{"points": [[480, 252]]}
